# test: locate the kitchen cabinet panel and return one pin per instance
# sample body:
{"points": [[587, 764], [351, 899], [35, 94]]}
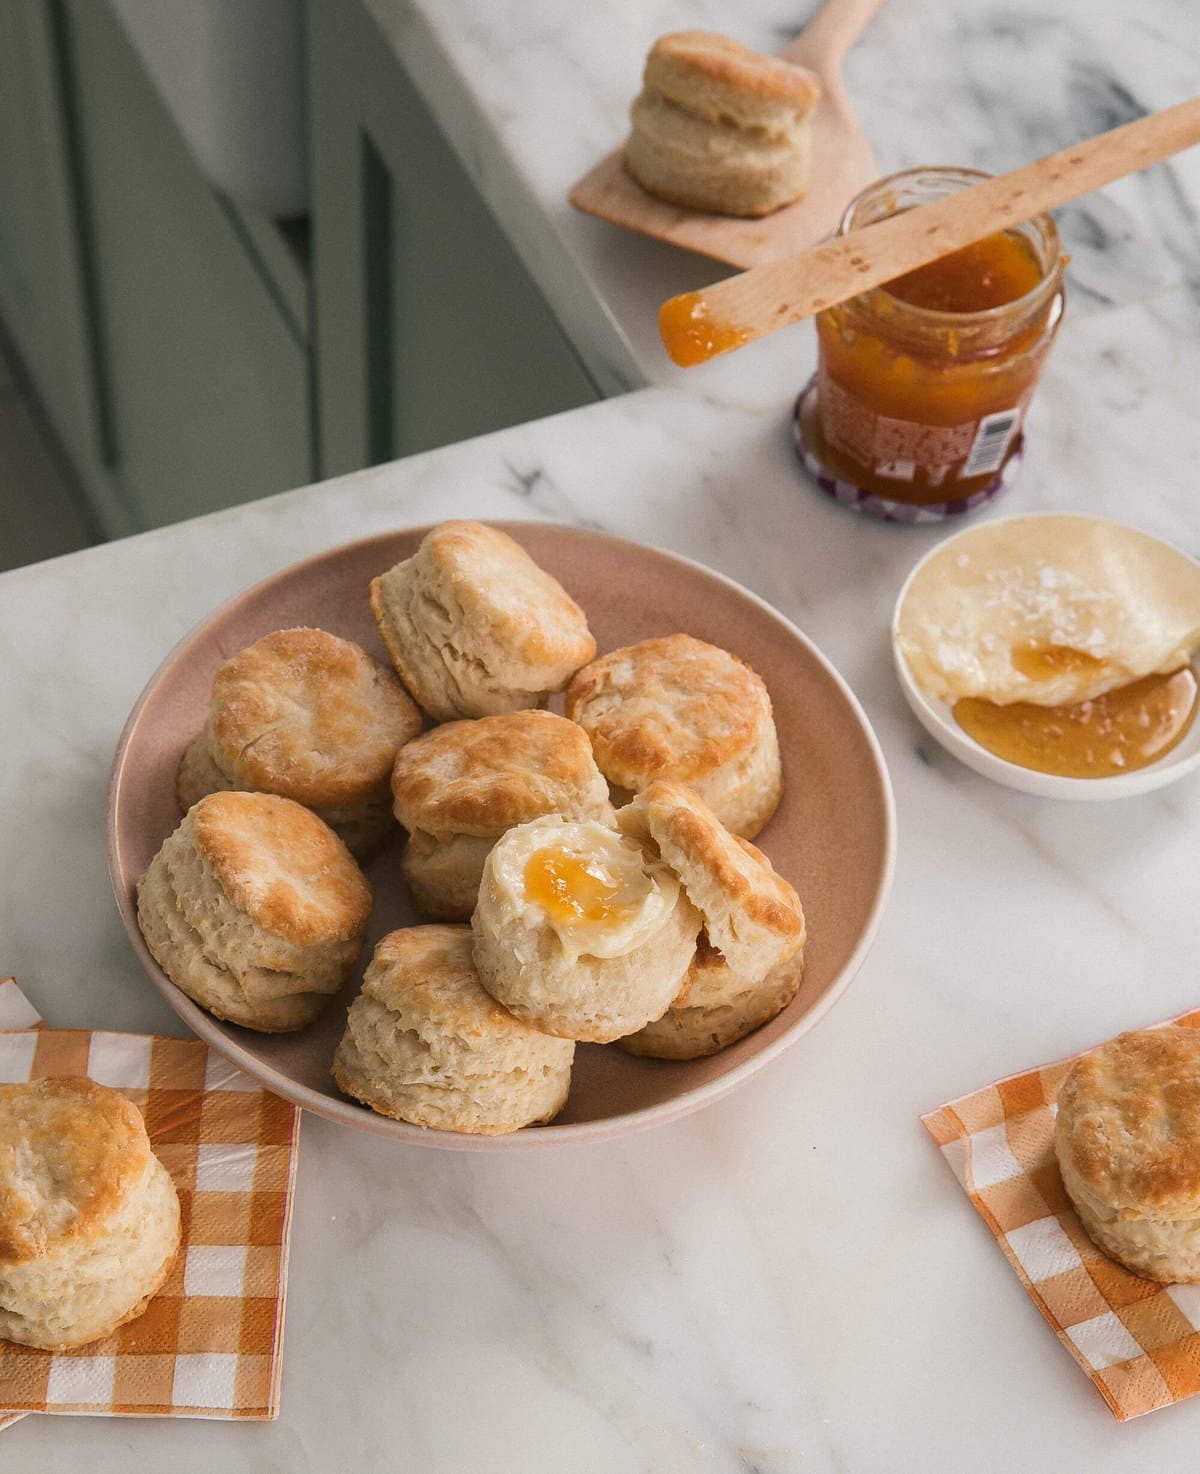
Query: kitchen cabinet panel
{"points": [[43, 289], [206, 379], [429, 328]]}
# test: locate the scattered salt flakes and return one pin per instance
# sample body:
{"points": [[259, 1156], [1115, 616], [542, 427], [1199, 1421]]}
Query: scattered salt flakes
{"points": [[950, 657]]}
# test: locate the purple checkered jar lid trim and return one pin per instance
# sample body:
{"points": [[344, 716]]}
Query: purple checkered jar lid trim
{"points": [[859, 499]]}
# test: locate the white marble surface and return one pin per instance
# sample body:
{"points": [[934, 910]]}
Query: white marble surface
{"points": [[790, 1282], [533, 92]]}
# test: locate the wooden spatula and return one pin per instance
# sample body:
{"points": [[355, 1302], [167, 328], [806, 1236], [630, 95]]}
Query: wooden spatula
{"points": [[842, 165], [699, 325]]}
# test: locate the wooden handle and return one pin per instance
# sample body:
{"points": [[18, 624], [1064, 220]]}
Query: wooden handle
{"points": [[699, 325], [825, 40]]}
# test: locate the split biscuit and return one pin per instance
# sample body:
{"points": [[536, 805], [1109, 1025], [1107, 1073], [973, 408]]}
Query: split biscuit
{"points": [[719, 127], [311, 717], [425, 1043], [255, 909], [475, 627], [89, 1217], [750, 958], [458, 788], [715, 1008], [578, 932], [1127, 1137], [676, 707]]}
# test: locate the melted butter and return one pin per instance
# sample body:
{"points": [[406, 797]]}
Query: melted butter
{"points": [[1044, 662], [692, 335], [569, 890], [1124, 730]]}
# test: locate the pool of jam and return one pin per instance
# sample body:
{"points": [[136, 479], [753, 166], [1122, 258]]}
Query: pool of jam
{"points": [[1119, 732]]}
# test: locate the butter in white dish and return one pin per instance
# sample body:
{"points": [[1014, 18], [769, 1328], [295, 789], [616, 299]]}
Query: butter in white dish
{"points": [[1048, 609]]}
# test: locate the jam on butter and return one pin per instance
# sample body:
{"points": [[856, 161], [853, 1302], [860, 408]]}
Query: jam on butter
{"points": [[1044, 662], [568, 889]]}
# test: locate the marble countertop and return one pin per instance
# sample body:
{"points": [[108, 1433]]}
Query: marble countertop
{"points": [[791, 1281], [533, 92]]}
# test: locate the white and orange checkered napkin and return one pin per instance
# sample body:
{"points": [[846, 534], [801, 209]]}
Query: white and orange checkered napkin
{"points": [[210, 1343], [1137, 1340], [16, 1011]]}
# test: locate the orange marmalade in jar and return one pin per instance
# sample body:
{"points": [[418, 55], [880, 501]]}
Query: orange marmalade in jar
{"points": [[922, 383]]}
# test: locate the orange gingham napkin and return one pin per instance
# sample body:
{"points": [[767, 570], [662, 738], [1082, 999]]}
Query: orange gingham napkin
{"points": [[210, 1343], [1138, 1341], [16, 1011]]}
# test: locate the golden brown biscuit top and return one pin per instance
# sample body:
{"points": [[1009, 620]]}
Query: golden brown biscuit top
{"points": [[679, 61], [672, 707], [310, 716], [431, 969], [70, 1152], [1129, 1116], [482, 777], [502, 593], [282, 866], [730, 881]]}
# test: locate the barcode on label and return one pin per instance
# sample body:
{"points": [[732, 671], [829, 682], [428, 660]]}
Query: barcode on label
{"points": [[991, 442]]}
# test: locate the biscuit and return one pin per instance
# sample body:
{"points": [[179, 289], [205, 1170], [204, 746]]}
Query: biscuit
{"points": [[675, 707], [750, 957], [715, 1007], [255, 909], [578, 932], [425, 1043], [751, 914], [443, 875], [1127, 1137], [311, 717], [475, 627], [89, 1218], [719, 127], [458, 788]]}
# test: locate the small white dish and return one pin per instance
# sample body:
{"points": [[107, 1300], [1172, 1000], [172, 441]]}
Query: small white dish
{"points": [[938, 720]]}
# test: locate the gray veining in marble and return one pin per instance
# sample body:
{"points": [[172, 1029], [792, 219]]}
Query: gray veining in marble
{"points": [[990, 84], [789, 1282]]}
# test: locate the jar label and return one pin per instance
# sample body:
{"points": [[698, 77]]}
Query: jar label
{"points": [[902, 450], [991, 442]]}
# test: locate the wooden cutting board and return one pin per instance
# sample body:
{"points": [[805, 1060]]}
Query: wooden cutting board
{"points": [[842, 164]]}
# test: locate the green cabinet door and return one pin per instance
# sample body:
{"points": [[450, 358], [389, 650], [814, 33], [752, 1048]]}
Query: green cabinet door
{"points": [[203, 373], [43, 295], [428, 327]]}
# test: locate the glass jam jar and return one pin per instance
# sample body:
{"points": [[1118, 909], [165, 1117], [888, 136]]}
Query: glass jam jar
{"points": [[922, 384]]}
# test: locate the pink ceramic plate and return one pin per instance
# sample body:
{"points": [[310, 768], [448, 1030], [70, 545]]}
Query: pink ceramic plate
{"points": [[833, 836]]}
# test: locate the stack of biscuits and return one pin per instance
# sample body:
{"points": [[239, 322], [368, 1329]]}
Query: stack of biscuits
{"points": [[721, 128], [587, 877], [89, 1217]]}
